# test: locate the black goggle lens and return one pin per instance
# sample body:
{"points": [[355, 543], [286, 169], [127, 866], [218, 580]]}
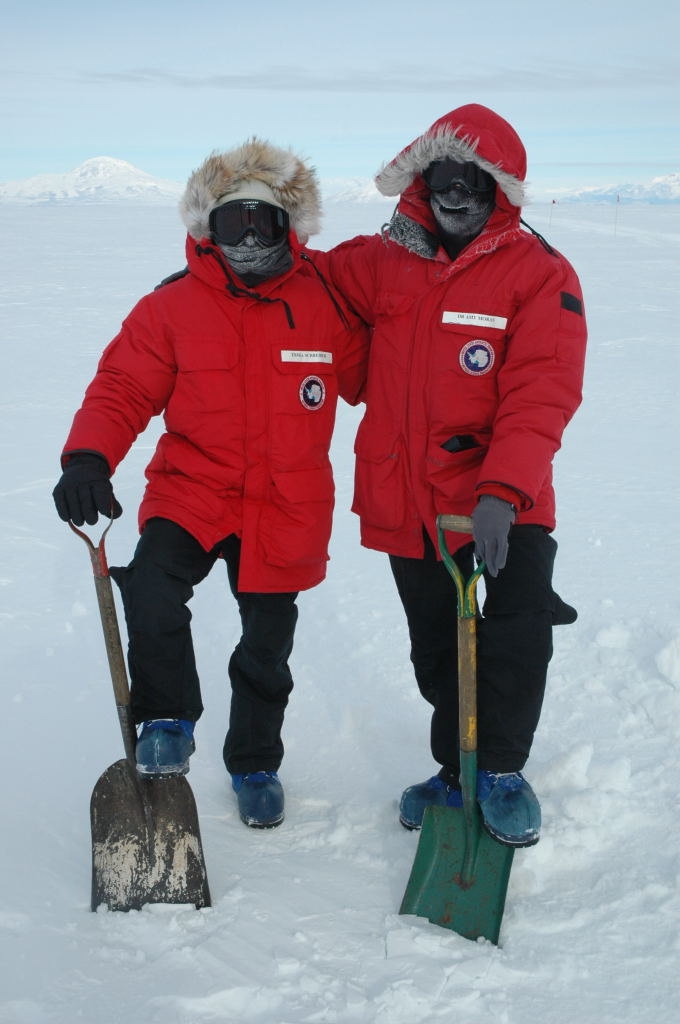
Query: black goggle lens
{"points": [[442, 174], [231, 222]]}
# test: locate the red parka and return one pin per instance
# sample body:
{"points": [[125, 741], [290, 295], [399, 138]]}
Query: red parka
{"points": [[248, 389], [476, 364]]}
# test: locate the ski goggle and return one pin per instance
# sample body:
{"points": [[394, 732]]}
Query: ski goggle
{"points": [[441, 175], [231, 222]]}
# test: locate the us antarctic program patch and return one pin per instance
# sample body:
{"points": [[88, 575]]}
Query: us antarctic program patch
{"points": [[477, 357], [312, 392]]}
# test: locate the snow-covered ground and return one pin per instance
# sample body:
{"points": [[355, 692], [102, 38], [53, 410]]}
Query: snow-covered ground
{"points": [[304, 926]]}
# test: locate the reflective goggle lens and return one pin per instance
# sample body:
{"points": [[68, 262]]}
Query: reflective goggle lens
{"points": [[230, 222], [441, 175]]}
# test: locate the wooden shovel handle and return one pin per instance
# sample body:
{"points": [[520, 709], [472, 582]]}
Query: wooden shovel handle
{"points": [[112, 642], [456, 524], [467, 674]]}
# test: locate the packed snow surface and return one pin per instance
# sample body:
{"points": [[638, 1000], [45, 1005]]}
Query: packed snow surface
{"points": [[304, 925]]}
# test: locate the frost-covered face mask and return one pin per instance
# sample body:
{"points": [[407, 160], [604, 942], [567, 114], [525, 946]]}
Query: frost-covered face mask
{"points": [[460, 214], [254, 262], [462, 196]]}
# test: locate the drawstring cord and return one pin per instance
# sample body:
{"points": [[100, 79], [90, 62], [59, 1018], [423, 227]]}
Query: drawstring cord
{"points": [[338, 308], [546, 245], [237, 291]]}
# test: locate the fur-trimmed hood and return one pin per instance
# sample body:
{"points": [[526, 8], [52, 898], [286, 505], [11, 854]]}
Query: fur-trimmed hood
{"points": [[293, 183], [471, 132]]}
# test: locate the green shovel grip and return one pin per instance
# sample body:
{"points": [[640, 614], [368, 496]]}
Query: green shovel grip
{"points": [[465, 590]]}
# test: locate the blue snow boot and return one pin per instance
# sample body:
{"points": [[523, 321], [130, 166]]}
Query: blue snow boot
{"points": [[260, 799], [510, 811], [164, 747], [435, 792]]}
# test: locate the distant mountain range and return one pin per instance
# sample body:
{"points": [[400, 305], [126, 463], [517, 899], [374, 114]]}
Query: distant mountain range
{"points": [[104, 179], [658, 190], [100, 180]]}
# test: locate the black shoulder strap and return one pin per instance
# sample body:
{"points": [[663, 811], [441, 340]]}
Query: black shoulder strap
{"points": [[173, 277]]}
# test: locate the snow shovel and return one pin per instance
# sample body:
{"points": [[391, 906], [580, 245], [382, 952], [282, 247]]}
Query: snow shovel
{"points": [[146, 843], [460, 875]]}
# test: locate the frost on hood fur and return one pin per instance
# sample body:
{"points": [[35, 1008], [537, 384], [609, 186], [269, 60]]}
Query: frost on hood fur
{"points": [[293, 183], [471, 132]]}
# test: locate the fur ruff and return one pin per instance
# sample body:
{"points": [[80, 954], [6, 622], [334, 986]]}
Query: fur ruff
{"points": [[293, 182], [395, 177]]}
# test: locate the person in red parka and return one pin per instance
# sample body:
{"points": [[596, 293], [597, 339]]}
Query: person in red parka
{"points": [[475, 369], [244, 354]]}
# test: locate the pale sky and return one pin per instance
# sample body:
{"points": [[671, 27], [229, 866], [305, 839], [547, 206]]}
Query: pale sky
{"points": [[592, 86]]}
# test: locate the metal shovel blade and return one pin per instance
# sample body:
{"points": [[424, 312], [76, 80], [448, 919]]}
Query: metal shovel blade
{"points": [[456, 887], [146, 844]]}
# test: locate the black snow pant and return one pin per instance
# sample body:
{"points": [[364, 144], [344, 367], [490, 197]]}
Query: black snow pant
{"points": [[514, 647], [156, 586]]}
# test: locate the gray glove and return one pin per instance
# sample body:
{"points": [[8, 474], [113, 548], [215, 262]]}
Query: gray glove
{"points": [[491, 522]]}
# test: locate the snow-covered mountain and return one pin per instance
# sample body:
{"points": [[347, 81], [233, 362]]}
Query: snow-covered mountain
{"points": [[664, 189], [103, 179]]}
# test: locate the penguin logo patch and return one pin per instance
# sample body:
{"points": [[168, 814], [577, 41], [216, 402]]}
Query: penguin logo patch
{"points": [[477, 357], [312, 392]]}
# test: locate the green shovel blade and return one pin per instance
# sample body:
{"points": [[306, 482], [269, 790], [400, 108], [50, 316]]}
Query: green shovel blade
{"points": [[454, 886]]}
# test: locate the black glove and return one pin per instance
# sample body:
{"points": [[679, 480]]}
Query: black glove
{"points": [[85, 490], [491, 522]]}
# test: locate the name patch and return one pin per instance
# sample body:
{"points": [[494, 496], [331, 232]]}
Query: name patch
{"points": [[290, 355], [498, 323]]}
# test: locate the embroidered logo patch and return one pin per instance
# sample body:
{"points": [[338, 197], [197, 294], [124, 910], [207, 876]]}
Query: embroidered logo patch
{"points": [[477, 357], [312, 392]]}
